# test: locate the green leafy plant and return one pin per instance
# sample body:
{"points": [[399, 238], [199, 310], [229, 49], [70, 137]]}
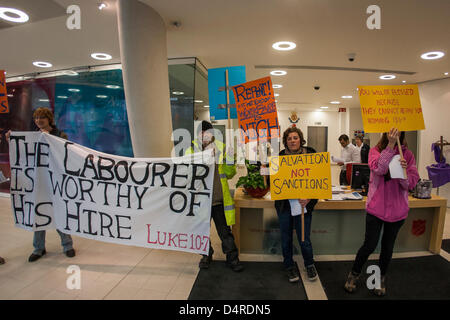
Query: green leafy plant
{"points": [[253, 179]]}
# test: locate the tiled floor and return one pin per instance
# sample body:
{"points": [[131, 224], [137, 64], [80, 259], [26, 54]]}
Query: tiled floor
{"points": [[110, 271]]}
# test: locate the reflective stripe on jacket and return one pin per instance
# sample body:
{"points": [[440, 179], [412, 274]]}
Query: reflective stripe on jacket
{"points": [[225, 172]]}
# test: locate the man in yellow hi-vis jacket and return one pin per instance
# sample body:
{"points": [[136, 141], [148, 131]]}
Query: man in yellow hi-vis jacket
{"points": [[222, 211]]}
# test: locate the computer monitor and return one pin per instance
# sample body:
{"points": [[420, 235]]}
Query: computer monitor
{"points": [[360, 176]]}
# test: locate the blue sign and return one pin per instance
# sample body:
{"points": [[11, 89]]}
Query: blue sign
{"points": [[217, 93]]}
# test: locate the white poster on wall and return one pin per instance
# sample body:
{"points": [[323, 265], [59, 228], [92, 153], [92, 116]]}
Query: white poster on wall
{"points": [[162, 203]]}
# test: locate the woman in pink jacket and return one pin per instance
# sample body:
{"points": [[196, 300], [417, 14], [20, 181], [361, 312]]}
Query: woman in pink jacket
{"points": [[386, 206]]}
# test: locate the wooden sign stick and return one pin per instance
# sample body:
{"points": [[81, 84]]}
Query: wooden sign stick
{"points": [[228, 98], [401, 155], [303, 224]]}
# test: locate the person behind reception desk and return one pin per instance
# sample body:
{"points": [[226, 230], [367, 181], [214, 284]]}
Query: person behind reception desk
{"points": [[363, 149], [45, 122], [386, 206], [293, 142], [349, 154]]}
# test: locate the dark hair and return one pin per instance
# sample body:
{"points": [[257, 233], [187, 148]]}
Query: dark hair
{"points": [[360, 138], [343, 137], [290, 130], [204, 126], [384, 141]]}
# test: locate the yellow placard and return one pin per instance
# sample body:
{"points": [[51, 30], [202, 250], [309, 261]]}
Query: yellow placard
{"points": [[300, 176], [386, 107]]}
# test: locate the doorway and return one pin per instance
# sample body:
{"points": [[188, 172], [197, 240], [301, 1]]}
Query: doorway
{"points": [[318, 138]]}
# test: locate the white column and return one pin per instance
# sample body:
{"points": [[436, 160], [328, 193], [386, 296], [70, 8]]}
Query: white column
{"points": [[143, 51]]}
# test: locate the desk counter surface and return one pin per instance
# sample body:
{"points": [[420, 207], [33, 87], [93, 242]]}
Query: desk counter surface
{"points": [[245, 201], [437, 204]]}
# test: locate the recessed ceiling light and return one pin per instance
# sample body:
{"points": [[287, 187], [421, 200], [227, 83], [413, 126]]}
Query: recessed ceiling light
{"points": [[432, 55], [284, 45], [18, 15], [387, 77], [42, 64], [206, 106], [101, 56], [335, 102], [278, 73], [74, 90], [277, 86], [346, 97], [111, 86], [44, 100], [404, 81], [198, 101], [178, 93], [324, 107], [10, 95], [101, 96], [445, 73], [62, 97], [71, 73], [276, 94], [102, 5]]}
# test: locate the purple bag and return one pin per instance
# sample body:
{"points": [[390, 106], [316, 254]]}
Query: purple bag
{"points": [[438, 173]]}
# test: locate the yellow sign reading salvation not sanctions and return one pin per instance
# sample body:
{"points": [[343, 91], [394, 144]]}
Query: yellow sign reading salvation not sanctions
{"points": [[300, 176], [386, 107]]}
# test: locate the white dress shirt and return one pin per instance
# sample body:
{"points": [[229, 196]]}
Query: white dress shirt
{"points": [[350, 154]]}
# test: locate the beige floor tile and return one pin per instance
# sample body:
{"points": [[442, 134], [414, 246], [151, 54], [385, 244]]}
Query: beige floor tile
{"points": [[121, 292], [146, 294]]}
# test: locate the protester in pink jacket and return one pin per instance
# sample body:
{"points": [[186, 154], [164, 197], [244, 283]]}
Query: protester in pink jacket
{"points": [[386, 206]]}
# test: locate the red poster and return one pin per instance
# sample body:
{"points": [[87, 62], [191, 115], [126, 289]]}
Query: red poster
{"points": [[256, 110], [4, 108]]}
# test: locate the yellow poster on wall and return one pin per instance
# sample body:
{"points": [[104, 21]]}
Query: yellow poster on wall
{"points": [[300, 176], [386, 107]]}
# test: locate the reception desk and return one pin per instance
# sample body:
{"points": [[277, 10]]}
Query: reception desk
{"points": [[338, 227]]}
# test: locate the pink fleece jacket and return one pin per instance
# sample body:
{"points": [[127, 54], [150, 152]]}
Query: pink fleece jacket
{"points": [[388, 200]]}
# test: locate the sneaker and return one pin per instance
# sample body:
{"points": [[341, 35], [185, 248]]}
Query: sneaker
{"points": [[351, 283], [70, 253], [293, 274], [312, 272], [2, 261], [382, 291], [35, 257], [235, 265]]}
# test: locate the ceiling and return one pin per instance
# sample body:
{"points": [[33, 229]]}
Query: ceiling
{"points": [[235, 32]]}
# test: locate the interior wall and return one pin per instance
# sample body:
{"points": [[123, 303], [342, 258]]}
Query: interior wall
{"points": [[435, 101]]}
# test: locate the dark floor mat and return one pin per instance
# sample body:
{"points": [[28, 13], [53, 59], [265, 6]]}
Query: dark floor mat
{"points": [[446, 245], [407, 278], [258, 281]]}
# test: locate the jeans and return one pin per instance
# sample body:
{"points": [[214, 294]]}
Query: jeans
{"points": [[287, 225], [39, 242], [224, 231], [373, 231]]}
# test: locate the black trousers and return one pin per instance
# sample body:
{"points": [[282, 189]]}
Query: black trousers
{"points": [[224, 231], [373, 231], [343, 178]]}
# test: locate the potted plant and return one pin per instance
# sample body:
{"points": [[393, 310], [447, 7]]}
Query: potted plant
{"points": [[253, 182]]}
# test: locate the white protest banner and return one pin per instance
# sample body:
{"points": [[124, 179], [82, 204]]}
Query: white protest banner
{"points": [[162, 203]]}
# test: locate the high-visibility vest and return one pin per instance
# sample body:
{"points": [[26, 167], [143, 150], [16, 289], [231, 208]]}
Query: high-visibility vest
{"points": [[225, 172]]}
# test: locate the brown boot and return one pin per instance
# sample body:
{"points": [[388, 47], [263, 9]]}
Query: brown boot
{"points": [[382, 291], [351, 283]]}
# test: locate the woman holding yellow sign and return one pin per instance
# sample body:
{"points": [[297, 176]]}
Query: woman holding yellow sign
{"points": [[387, 204], [293, 142]]}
